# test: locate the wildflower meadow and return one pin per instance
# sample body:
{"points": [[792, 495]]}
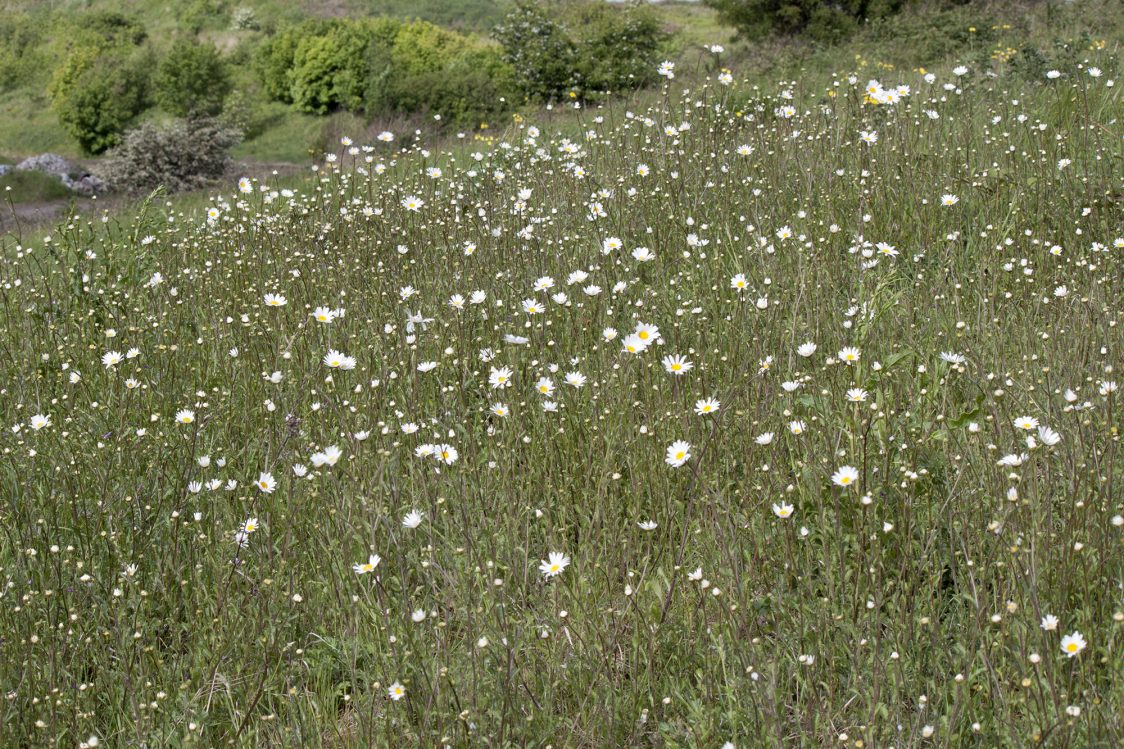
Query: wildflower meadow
{"points": [[736, 415]]}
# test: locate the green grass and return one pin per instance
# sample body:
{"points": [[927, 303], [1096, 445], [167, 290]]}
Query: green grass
{"points": [[903, 608], [28, 187], [29, 126], [288, 136]]}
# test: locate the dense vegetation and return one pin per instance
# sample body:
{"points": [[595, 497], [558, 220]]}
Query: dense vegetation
{"points": [[749, 412], [108, 67], [821, 20]]}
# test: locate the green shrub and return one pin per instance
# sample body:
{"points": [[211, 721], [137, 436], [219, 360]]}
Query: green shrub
{"points": [[20, 58], [422, 47], [274, 58], [543, 56], [192, 80], [102, 84], [468, 87], [587, 47], [329, 71], [927, 38], [196, 15], [97, 95], [618, 48], [244, 18], [185, 155], [387, 67], [822, 20], [322, 65], [104, 29]]}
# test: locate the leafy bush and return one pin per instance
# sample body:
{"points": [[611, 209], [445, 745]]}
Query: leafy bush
{"points": [[386, 66], [586, 47], [618, 49], [102, 85], [329, 70], [105, 29], [822, 20], [320, 65], [184, 155], [929, 37], [196, 15], [539, 49], [467, 88], [192, 80], [274, 59], [20, 59], [97, 94], [244, 18]]}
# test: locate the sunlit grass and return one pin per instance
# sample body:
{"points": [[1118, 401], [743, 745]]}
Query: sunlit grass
{"points": [[772, 416]]}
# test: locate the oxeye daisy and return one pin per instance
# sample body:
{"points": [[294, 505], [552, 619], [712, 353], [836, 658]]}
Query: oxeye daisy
{"points": [[845, 476], [266, 483], [185, 416], [554, 564], [363, 568], [1072, 644], [678, 453], [677, 365], [575, 379], [634, 344], [499, 378], [1026, 422], [706, 406], [646, 332], [396, 691], [1048, 436], [849, 354], [783, 510]]}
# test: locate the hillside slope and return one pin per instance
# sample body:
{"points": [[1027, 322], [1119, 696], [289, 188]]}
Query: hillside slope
{"points": [[736, 416]]}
